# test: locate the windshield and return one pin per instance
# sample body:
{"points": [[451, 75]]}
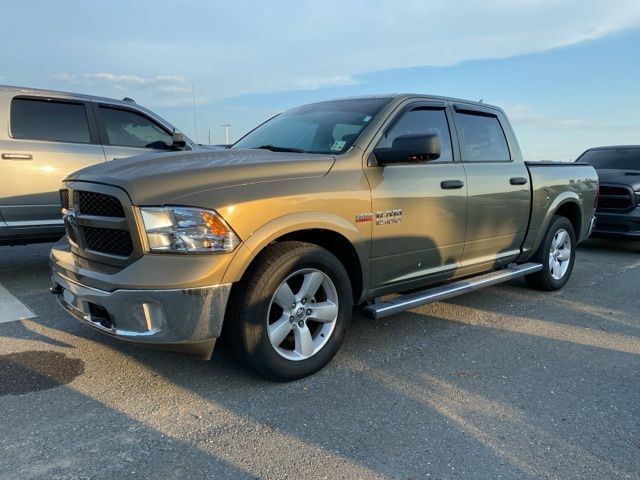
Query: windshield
{"points": [[613, 158], [327, 127]]}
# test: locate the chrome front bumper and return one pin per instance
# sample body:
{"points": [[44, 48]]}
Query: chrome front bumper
{"points": [[164, 318]]}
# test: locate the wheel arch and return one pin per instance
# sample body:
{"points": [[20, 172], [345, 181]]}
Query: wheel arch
{"points": [[572, 211], [334, 233], [566, 204]]}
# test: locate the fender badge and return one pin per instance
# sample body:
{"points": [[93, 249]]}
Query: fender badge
{"points": [[389, 217], [364, 217]]}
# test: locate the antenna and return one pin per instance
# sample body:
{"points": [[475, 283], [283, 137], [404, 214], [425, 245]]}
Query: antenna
{"points": [[226, 132], [195, 120]]}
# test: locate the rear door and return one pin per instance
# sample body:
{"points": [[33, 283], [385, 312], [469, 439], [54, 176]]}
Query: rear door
{"points": [[498, 187], [48, 139], [126, 132], [419, 210]]}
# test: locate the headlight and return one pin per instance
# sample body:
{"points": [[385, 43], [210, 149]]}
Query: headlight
{"points": [[187, 230]]}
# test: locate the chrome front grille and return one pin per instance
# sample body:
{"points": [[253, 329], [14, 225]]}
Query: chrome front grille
{"points": [[71, 233], [100, 224], [615, 198]]}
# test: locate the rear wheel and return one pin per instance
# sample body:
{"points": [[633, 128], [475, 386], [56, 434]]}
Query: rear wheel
{"points": [[289, 315], [556, 254]]}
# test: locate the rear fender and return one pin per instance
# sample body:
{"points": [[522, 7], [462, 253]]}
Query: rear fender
{"points": [[536, 233]]}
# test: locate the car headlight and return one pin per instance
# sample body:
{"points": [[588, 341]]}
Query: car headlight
{"points": [[187, 230]]}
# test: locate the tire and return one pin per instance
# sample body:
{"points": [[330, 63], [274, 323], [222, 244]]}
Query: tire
{"points": [[289, 314], [556, 254]]}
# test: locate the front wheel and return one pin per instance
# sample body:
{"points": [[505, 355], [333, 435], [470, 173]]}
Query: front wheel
{"points": [[556, 254], [289, 315]]}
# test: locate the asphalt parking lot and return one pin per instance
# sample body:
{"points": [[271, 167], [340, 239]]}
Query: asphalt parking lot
{"points": [[502, 383]]}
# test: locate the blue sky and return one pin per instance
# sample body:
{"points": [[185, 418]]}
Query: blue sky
{"points": [[566, 72]]}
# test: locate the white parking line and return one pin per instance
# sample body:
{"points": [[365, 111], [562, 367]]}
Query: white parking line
{"points": [[12, 309]]}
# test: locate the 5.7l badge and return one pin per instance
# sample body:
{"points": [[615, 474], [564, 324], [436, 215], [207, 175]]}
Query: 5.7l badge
{"points": [[384, 217]]}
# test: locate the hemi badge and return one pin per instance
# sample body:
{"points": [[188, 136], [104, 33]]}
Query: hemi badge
{"points": [[364, 217]]}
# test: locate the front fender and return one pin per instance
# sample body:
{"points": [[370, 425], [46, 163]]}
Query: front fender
{"points": [[296, 222]]}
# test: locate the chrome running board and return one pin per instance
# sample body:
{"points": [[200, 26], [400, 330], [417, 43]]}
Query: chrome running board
{"points": [[416, 299]]}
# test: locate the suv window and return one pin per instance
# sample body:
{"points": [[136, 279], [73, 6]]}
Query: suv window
{"points": [[129, 129], [49, 120], [482, 138], [421, 120]]}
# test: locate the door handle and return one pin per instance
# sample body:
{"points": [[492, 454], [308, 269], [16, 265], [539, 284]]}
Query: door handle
{"points": [[17, 156], [518, 181], [451, 184]]}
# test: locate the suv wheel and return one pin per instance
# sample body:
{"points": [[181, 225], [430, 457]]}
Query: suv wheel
{"points": [[289, 314], [556, 254]]}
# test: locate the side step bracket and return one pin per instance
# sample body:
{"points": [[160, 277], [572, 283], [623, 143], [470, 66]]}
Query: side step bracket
{"points": [[416, 299]]}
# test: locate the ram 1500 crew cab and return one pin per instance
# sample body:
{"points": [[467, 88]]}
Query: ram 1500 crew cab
{"points": [[321, 208]]}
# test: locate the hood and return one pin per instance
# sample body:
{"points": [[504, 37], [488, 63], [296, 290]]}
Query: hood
{"points": [[625, 177], [159, 178]]}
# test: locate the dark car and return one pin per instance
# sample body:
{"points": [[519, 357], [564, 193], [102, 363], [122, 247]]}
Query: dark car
{"points": [[618, 212]]}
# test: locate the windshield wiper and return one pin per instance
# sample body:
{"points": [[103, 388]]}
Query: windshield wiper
{"points": [[274, 148]]}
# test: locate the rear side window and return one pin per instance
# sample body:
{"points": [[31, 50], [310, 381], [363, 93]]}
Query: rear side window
{"points": [[49, 120], [481, 138], [421, 120], [129, 129]]}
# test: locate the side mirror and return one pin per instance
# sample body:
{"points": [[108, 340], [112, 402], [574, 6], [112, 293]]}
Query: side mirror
{"points": [[410, 149], [178, 140]]}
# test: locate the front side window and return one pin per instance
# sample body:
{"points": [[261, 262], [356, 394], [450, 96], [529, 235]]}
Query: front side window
{"points": [[56, 121], [421, 121], [481, 138], [129, 129], [327, 127]]}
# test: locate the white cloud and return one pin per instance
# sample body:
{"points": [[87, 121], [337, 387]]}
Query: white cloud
{"points": [[544, 136], [523, 116], [174, 89], [314, 83], [253, 46], [318, 44]]}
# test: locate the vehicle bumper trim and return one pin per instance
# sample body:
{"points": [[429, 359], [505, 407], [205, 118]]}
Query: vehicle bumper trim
{"points": [[156, 317], [592, 226]]}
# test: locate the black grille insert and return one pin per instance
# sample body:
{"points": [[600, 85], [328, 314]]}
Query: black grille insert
{"points": [[615, 199], [91, 203], [64, 198], [105, 240]]}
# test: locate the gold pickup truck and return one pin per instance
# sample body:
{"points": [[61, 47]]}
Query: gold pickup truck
{"points": [[328, 206]]}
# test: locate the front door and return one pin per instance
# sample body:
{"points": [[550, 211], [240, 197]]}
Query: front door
{"points": [[126, 133], [49, 139], [419, 210]]}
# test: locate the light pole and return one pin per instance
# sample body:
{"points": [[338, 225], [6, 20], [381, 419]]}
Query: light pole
{"points": [[226, 132]]}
